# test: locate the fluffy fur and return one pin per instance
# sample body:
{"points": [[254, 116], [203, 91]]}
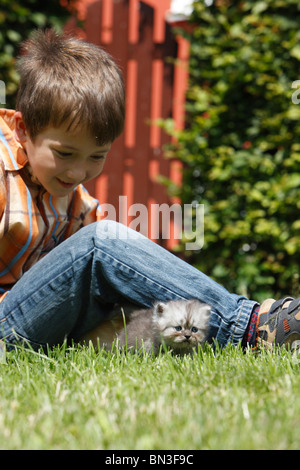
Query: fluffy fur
{"points": [[180, 325]]}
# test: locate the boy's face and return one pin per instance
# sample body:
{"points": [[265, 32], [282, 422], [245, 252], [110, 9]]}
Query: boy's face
{"points": [[61, 160]]}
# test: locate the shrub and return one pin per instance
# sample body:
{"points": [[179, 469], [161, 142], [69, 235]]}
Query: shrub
{"points": [[241, 148]]}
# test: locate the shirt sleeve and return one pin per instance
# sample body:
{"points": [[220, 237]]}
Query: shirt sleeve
{"points": [[91, 208], [3, 192], [3, 200], [84, 210]]}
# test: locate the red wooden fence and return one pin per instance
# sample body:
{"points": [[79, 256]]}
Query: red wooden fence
{"points": [[140, 39]]}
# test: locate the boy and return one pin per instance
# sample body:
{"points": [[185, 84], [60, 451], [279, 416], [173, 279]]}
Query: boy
{"points": [[61, 268]]}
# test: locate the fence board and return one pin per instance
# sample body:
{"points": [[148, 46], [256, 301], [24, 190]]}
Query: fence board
{"points": [[140, 40]]}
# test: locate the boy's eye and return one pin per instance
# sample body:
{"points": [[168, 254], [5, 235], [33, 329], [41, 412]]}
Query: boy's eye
{"points": [[97, 158], [63, 154], [178, 328]]}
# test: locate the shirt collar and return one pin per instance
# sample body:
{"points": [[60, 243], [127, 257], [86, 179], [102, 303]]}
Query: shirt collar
{"points": [[17, 158]]}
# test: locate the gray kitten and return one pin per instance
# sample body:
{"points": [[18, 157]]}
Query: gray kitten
{"points": [[181, 325]]}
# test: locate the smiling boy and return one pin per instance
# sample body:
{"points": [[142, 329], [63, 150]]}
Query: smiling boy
{"points": [[61, 268], [70, 107], [61, 160]]}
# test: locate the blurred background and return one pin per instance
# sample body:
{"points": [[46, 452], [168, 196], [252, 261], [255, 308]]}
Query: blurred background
{"points": [[211, 118]]}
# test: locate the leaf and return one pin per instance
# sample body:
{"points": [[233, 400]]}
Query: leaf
{"points": [[295, 52], [13, 36], [259, 7]]}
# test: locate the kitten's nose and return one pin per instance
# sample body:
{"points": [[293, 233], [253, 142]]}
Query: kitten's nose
{"points": [[187, 336]]}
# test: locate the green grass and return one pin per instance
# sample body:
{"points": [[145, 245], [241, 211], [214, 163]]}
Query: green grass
{"points": [[76, 398]]}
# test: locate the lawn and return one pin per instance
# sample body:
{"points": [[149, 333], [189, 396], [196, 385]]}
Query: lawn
{"points": [[76, 398]]}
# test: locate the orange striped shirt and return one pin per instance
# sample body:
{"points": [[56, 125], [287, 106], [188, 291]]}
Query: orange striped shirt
{"points": [[32, 221]]}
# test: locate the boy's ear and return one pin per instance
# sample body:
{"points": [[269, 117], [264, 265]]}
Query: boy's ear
{"points": [[20, 128]]}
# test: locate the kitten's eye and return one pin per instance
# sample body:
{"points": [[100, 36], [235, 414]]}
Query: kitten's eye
{"points": [[194, 329], [178, 328]]}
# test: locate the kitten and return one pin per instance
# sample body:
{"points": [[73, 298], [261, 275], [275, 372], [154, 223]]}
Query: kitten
{"points": [[181, 325]]}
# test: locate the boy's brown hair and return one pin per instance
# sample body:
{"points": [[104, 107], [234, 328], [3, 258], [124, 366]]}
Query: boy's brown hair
{"points": [[67, 81]]}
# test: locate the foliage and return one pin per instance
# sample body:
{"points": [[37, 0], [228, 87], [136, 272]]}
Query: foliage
{"points": [[241, 148], [77, 398], [18, 18]]}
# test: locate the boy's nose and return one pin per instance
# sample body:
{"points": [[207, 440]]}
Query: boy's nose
{"points": [[76, 175]]}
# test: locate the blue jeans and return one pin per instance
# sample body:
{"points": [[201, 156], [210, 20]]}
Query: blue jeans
{"points": [[73, 288]]}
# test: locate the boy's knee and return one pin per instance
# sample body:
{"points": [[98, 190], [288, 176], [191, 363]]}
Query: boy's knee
{"points": [[111, 230]]}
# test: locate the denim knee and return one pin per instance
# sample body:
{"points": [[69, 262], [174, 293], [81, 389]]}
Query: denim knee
{"points": [[111, 230]]}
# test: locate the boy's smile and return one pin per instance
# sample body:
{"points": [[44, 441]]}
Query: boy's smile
{"points": [[61, 160]]}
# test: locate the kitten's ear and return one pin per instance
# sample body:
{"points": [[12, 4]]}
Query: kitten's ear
{"points": [[197, 305], [206, 311], [159, 308], [203, 309]]}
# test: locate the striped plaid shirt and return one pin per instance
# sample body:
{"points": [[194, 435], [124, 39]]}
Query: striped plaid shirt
{"points": [[32, 221]]}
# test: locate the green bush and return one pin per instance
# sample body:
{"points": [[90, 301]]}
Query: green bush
{"points": [[241, 147], [18, 18]]}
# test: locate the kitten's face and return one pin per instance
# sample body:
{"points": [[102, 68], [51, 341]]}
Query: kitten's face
{"points": [[182, 324]]}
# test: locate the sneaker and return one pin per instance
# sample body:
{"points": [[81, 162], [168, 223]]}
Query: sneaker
{"points": [[279, 323]]}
